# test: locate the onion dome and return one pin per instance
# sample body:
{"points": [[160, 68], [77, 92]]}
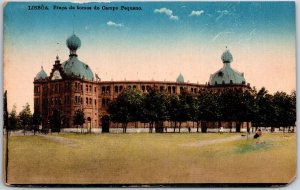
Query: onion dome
{"points": [[227, 75], [180, 79], [41, 75], [74, 67], [227, 56], [73, 43]]}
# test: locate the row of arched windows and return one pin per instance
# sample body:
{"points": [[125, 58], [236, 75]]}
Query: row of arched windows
{"points": [[145, 88], [88, 87], [88, 101]]}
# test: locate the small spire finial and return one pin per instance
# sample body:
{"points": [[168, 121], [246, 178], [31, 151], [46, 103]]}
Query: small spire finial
{"points": [[73, 23]]}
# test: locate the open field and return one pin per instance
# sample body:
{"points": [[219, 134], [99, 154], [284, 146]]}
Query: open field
{"points": [[151, 158]]}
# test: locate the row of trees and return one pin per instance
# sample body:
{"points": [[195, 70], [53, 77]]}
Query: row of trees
{"points": [[27, 121], [24, 120], [258, 107]]}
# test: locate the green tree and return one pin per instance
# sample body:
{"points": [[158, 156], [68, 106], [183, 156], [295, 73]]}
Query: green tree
{"points": [[56, 120], [127, 107], [172, 107], [236, 105], [155, 109], [285, 110], [25, 117], [36, 120], [13, 119], [265, 112], [79, 118], [208, 108], [185, 108]]}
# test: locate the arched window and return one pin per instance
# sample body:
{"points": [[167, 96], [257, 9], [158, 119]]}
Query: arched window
{"points": [[181, 89], [169, 89], [174, 89], [86, 101], [90, 101], [162, 88]]}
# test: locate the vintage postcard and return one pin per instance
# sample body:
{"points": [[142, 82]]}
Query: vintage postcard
{"points": [[149, 93]]}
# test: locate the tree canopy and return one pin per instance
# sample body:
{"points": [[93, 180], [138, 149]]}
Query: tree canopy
{"points": [[259, 107]]}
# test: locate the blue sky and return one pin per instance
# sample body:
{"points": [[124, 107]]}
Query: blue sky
{"points": [[159, 42], [236, 20]]}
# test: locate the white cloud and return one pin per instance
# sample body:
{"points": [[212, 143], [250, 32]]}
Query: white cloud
{"points": [[167, 12], [113, 24], [172, 17], [197, 13]]}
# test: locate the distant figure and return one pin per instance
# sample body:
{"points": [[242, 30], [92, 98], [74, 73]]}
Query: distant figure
{"points": [[221, 130], [258, 133]]}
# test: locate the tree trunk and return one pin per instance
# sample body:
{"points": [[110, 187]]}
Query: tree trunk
{"points": [[174, 126], [151, 127], [179, 126]]}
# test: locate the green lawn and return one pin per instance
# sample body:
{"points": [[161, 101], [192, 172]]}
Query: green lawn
{"points": [[151, 158]]}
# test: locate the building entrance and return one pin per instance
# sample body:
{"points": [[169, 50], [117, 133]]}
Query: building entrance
{"points": [[105, 124]]}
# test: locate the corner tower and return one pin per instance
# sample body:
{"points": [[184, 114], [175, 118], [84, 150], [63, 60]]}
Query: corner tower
{"points": [[73, 67], [227, 75]]}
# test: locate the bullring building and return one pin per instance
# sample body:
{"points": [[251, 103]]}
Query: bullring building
{"points": [[72, 85]]}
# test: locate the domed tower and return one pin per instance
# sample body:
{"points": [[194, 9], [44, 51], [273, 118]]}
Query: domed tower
{"points": [[73, 66], [180, 79], [227, 75], [41, 75]]}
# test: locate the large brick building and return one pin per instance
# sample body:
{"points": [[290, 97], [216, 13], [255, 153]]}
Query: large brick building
{"points": [[71, 85]]}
